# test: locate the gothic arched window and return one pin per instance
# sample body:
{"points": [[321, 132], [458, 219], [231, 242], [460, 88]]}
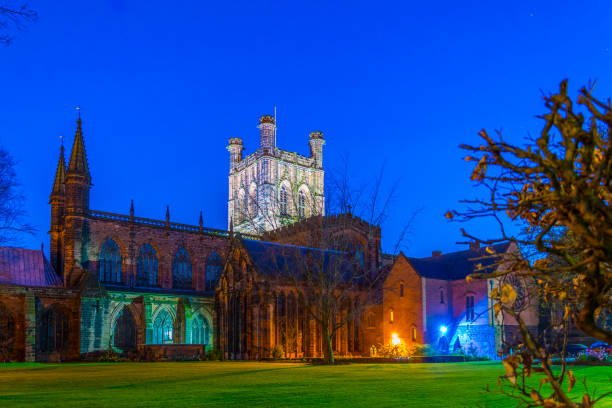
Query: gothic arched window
{"points": [[301, 204], [181, 270], [110, 262], [213, 270], [147, 266], [283, 201], [199, 331], [162, 328]]}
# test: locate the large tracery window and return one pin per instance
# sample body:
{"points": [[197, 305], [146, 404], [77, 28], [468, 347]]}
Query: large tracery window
{"points": [[213, 270], [162, 328], [181, 270], [283, 201], [301, 204], [110, 262], [147, 266]]}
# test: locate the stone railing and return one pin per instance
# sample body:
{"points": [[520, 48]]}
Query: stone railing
{"points": [[175, 226], [290, 157]]}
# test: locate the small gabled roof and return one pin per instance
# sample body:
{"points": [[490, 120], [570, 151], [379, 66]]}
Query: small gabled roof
{"points": [[26, 267], [456, 265]]}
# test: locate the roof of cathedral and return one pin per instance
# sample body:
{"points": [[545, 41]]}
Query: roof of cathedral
{"points": [[60, 175], [272, 259], [78, 157], [456, 265], [26, 267]]}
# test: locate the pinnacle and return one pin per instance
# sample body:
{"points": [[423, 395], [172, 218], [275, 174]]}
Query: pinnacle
{"points": [[78, 157], [60, 175]]}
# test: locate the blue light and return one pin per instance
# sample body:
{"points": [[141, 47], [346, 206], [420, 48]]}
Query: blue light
{"points": [[443, 329]]}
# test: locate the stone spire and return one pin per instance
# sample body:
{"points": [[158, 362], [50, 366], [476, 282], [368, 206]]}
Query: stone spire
{"points": [[78, 157], [59, 185]]}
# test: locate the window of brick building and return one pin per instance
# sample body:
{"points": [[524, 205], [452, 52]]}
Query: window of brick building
{"points": [[371, 320], [213, 270], [414, 333], [181, 270], [469, 308], [401, 290], [53, 332], [441, 295], [391, 316], [147, 266], [110, 262]]}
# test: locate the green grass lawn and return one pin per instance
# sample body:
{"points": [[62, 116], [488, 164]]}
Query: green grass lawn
{"points": [[247, 384]]}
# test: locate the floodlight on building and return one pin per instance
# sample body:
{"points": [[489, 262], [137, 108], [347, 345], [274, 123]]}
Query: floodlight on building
{"points": [[395, 340], [443, 330]]}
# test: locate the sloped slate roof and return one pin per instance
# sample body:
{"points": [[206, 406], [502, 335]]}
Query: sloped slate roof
{"points": [[26, 267], [456, 265], [272, 259]]}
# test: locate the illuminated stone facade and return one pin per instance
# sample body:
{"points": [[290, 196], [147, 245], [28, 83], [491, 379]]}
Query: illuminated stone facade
{"points": [[272, 187]]}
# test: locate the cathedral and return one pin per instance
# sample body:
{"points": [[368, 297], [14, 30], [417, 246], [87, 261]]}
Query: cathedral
{"points": [[157, 288]]}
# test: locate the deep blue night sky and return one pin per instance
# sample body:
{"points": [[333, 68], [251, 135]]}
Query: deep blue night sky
{"points": [[163, 86]]}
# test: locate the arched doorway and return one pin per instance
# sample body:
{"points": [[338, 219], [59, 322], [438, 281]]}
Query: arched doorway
{"points": [[125, 331], [7, 334]]}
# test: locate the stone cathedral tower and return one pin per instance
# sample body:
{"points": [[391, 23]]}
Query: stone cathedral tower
{"points": [[272, 187]]}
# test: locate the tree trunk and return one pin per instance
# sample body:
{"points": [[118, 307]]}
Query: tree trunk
{"points": [[329, 352]]}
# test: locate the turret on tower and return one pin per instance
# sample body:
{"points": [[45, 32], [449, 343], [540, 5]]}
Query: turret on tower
{"points": [[316, 148], [266, 131], [235, 148]]}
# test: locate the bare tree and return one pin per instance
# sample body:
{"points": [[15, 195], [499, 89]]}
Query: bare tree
{"points": [[557, 190], [12, 212], [13, 17], [331, 262]]}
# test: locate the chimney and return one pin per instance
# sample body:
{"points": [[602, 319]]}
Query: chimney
{"points": [[266, 131], [474, 245], [436, 253]]}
